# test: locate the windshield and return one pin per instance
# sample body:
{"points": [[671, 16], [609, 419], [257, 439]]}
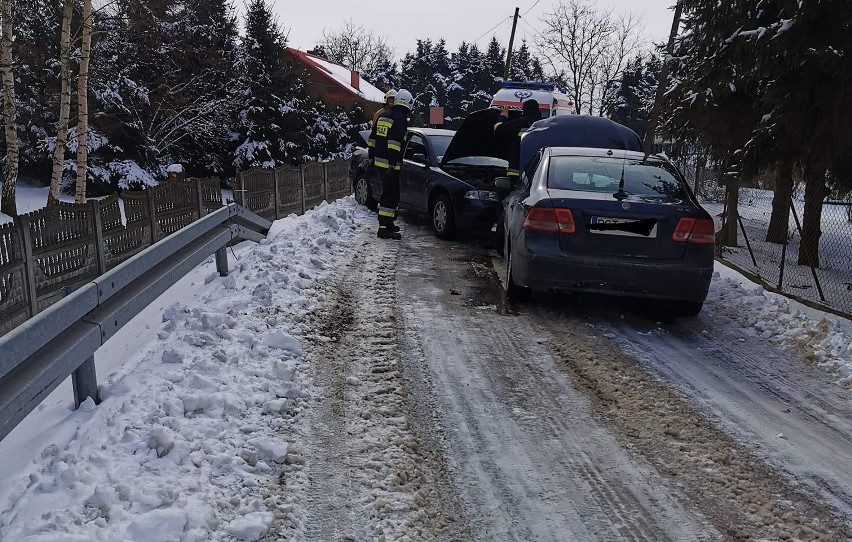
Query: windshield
{"points": [[440, 144], [644, 179]]}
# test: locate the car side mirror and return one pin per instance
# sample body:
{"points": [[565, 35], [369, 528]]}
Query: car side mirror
{"points": [[420, 158], [503, 183]]}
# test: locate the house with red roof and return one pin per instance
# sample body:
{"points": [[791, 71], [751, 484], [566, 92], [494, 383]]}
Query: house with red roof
{"points": [[332, 83]]}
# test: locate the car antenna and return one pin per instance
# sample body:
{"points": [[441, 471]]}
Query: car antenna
{"points": [[621, 194]]}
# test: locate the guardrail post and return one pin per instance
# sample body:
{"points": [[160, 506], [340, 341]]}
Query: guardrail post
{"points": [[199, 197], [100, 245], [222, 261], [324, 182], [302, 181], [152, 214], [275, 196], [29, 265], [85, 382]]}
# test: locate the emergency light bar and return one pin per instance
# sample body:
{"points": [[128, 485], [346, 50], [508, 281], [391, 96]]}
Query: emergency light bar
{"points": [[530, 86]]}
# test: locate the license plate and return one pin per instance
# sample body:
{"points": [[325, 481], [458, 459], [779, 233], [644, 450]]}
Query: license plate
{"points": [[600, 220]]}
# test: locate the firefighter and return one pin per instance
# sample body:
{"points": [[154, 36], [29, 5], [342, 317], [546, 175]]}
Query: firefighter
{"points": [[385, 151], [390, 96], [509, 134]]}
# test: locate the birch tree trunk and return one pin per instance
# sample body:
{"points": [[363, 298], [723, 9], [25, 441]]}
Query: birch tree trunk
{"points": [[64, 104], [10, 173], [83, 104]]}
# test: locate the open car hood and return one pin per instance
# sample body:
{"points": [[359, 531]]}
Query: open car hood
{"points": [[475, 137], [577, 131]]}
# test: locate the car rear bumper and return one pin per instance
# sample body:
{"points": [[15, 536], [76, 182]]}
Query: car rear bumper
{"points": [[654, 280]]}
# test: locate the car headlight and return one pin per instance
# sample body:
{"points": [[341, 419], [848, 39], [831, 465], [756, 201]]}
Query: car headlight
{"points": [[483, 195]]}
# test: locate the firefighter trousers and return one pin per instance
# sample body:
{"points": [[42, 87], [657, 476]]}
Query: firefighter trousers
{"points": [[390, 196]]}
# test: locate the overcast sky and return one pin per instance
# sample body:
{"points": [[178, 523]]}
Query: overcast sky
{"points": [[403, 22]]}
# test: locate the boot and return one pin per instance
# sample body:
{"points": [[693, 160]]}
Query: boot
{"points": [[386, 233], [393, 228]]}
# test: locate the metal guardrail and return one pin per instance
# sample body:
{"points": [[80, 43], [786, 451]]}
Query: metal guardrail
{"points": [[39, 354]]}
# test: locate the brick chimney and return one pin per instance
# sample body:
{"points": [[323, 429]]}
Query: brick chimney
{"points": [[356, 80]]}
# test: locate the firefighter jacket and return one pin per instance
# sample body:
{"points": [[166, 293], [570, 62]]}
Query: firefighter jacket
{"points": [[379, 113], [387, 137], [509, 133]]}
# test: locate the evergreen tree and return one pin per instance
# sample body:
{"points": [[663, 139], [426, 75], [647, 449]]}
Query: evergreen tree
{"points": [[467, 68], [525, 65], [266, 114], [495, 62]]}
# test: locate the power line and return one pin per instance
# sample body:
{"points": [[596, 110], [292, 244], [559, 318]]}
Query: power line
{"points": [[531, 7], [492, 28], [532, 28]]}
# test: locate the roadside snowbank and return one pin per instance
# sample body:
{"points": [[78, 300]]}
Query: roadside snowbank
{"points": [[188, 442], [818, 337]]}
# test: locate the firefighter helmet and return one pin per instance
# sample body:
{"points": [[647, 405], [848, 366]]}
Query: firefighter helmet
{"points": [[404, 98], [390, 95]]}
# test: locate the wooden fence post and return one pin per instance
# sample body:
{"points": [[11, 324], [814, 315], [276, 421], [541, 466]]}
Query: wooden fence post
{"points": [[302, 181], [29, 265], [275, 196], [324, 182], [100, 245], [152, 215], [242, 190], [199, 198]]}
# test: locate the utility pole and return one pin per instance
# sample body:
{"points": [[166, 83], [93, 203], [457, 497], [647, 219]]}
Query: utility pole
{"points": [[511, 43], [661, 83]]}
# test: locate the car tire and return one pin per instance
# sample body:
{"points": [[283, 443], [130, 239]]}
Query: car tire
{"points": [[364, 194], [685, 308], [513, 291], [443, 217]]}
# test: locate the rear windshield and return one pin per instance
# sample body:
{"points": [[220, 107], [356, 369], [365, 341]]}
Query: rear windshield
{"points": [[646, 179]]}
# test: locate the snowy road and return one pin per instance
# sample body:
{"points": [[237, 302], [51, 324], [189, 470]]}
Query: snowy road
{"points": [[341, 388]]}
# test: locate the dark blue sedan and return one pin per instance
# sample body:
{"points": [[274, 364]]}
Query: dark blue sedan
{"points": [[456, 194], [613, 222]]}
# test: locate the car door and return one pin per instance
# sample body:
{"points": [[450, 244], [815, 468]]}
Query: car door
{"points": [[514, 210], [414, 174]]}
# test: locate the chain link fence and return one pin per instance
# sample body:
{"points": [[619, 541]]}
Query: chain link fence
{"points": [[771, 252]]}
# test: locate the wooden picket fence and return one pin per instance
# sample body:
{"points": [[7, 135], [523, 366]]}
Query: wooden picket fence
{"points": [[46, 254]]}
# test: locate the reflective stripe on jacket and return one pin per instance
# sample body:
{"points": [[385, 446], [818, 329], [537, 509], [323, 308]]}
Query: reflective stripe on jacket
{"points": [[387, 137]]}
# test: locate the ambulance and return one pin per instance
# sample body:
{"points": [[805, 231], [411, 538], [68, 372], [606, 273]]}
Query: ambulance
{"points": [[551, 100]]}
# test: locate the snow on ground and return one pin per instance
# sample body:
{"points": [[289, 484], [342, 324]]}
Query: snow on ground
{"points": [[189, 439], [201, 393], [30, 197], [817, 336], [835, 272]]}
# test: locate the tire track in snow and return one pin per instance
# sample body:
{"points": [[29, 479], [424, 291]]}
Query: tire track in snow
{"points": [[756, 395], [744, 498], [369, 476], [526, 457]]}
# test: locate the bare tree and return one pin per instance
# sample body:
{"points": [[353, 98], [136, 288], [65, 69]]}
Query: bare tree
{"points": [[590, 46], [64, 104], [10, 173], [356, 47], [83, 104]]}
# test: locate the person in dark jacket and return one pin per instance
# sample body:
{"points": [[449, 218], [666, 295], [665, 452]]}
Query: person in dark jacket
{"points": [[509, 133], [385, 151]]}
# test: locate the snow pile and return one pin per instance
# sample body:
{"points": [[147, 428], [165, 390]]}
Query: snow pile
{"points": [[818, 337], [190, 443]]}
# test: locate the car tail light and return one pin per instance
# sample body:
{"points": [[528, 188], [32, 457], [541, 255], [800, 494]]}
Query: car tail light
{"points": [[695, 230], [549, 219]]}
